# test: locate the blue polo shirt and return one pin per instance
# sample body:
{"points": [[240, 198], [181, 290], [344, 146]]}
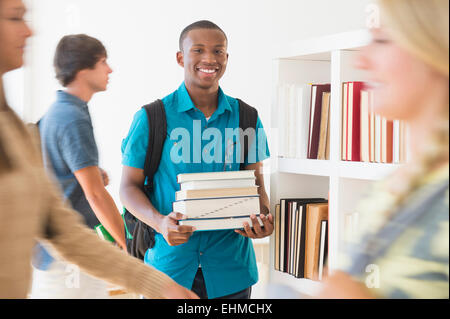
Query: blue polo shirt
{"points": [[195, 144], [68, 145]]}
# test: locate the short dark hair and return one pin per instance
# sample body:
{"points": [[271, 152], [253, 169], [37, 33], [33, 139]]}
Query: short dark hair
{"points": [[74, 53], [202, 24]]}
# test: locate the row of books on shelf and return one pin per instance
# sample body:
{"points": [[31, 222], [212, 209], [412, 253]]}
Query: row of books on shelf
{"points": [[301, 237], [304, 122], [304, 127], [366, 136]]}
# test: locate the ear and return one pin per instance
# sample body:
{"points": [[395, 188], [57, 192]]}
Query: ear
{"points": [[180, 59]]}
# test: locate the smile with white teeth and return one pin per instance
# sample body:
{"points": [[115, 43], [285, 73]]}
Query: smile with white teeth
{"points": [[209, 71]]}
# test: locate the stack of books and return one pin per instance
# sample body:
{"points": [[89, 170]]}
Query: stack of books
{"points": [[366, 136], [301, 240], [217, 200]]}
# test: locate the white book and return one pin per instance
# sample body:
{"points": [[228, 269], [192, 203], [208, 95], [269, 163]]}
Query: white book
{"points": [[350, 121], [208, 176], [365, 127], [344, 123], [225, 183], [218, 207], [285, 124], [383, 140], [311, 117], [219, 223], [396, 142], [292, 239], [323, 231], [282, 231], [303, 99], [372, 127], [377, 138], [292, 121]]}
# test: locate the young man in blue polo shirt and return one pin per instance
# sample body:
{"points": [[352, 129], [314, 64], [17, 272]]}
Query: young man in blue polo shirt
{"points": [[214, 264]]}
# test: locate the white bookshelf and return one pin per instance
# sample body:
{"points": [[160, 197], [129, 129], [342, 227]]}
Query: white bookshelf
{"points": [[327, 59]]}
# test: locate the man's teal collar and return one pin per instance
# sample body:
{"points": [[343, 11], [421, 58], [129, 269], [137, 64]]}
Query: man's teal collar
{"points": [[185, 102]]}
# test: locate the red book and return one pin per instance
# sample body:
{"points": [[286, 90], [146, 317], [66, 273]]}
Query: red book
{"points": [[314, 120], [354, 121]]}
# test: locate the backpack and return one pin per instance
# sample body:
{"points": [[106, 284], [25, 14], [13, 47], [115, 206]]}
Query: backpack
{"points": [[139, 236]]}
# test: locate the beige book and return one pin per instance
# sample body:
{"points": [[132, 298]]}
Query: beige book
{"points": [[216, 193], [315, 213], [321, 155], [365, 127]]}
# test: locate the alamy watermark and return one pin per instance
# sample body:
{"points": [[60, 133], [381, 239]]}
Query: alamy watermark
{"points": [[73, 277], [373, 277], [373, 16], [212, 146]]}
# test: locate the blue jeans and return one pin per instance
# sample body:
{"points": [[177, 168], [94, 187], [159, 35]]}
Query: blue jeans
{"points": [[199, 288]]}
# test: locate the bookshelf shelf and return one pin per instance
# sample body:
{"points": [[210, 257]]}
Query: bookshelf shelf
{"points": [[354, 170], [303, 286], [366, 171], [304, 166], [327, 59]]}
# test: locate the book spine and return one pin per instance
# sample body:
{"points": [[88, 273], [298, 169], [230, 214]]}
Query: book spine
{"points": [[356, 122]]}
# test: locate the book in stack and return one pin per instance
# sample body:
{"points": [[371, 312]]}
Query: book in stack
{"points": [[301, 237], [217, 200]]}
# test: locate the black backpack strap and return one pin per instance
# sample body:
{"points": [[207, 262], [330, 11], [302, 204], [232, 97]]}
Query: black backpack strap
{"points": [[143, 236], [248, 117], [156, 116]]}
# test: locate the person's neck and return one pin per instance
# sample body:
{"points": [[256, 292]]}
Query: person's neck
{"points": [[81, 91], [206, 100]]}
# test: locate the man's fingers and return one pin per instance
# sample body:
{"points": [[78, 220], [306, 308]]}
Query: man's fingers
{"points": [[268, 223], [186, 229], [177, 216], [249, 231], [255, 224]]}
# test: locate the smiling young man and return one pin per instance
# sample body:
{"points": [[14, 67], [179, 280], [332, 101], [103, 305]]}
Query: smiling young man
{"points": [[214, 264], [70, 152]]}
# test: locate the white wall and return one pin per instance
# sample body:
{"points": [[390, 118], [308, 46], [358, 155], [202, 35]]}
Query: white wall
{"points": [[141, 37]]}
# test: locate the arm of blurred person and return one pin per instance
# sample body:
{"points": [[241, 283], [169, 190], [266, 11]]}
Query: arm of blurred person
{"points": [[136, 201], [340, 285], [93, 181], [79, 245]]}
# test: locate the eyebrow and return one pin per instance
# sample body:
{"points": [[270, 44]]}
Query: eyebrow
{"points": [[202, 45], [17, 10]]}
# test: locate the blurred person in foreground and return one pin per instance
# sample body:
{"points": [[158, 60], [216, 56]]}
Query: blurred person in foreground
{"points": [[31, 206], [404, 233], [70, 152]]}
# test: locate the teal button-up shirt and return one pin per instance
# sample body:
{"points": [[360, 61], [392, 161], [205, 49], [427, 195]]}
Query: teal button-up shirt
{"points": [[195, 144]]}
